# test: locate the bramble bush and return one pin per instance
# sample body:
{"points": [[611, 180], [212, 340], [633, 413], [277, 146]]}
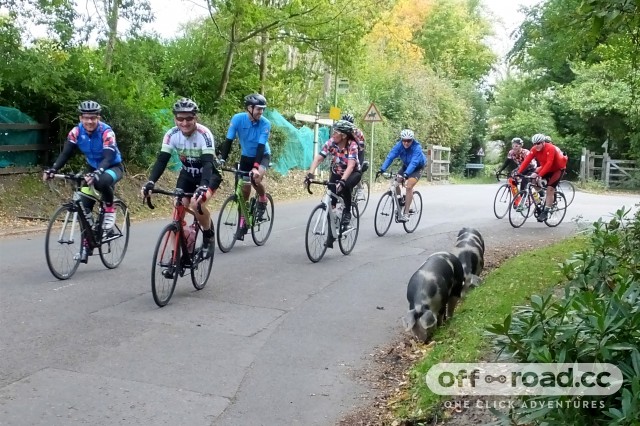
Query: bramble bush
{"points": [[597, 320]]}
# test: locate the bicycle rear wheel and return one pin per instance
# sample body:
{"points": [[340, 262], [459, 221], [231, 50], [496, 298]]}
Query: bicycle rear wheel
{"points": [[502, 201], [348, 238], [415, 213], [166, 265], [558, 210], [116, 240], [228, 223], [260, 231], [360, 196], [201, 267], [317, 233], [568, 190], [384, 214], [519, 211], [63, 243]]}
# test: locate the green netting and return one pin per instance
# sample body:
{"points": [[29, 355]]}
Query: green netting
{"points": [[17, 137], [298, 148]]}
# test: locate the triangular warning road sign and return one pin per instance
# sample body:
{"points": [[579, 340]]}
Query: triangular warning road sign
{"points": [[372, 115]]}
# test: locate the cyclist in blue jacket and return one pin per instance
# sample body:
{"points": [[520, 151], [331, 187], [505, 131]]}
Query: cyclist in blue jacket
{"points": [[410, 152], [97, 141]]}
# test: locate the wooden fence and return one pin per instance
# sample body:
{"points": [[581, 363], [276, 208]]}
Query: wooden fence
{"points": [[611, 172], [438, 162], [18, 148]]}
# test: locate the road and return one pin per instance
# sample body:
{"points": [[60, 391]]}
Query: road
{"points": [[272, 340]]}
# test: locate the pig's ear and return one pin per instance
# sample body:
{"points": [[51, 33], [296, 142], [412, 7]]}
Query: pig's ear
{"points": [[409, 320], [428, 320]]}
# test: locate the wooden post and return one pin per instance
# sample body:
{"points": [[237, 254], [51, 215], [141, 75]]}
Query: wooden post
{"points": [[606, 169], [583, 166], [429, 164], [591, 165]]}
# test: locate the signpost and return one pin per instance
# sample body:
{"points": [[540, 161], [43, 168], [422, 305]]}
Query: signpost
{"points": [[316, 120], [372, 116]]}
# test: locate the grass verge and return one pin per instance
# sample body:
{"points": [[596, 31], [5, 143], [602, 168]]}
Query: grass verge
{"points": [[463, 338]]}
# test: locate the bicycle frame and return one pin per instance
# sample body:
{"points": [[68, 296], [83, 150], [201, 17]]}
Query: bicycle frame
{"points": [[333, 218], [393, 186], [93, 234]]}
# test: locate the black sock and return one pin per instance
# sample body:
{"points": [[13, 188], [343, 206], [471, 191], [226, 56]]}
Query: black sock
{"points": [[207, 233]]}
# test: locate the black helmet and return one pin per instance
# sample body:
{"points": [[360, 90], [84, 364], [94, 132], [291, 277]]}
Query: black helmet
{"points": [[343, 126], [516, 140], [185, 105], [255, 99], [348, 117], [89, 107]]}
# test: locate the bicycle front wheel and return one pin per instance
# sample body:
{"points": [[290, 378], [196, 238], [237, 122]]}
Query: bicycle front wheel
{"points": [[228, 223], [166, 265], [415, 213], [361, 196], [201, 267], [558, 210], [348, 238], [568, 190], [384, 214], [63, 243], [116, 240], [261, 230], [502, 201], [519, 210], [317, 233]]}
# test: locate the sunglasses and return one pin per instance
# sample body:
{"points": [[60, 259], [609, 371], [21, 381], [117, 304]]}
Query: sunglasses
{"points": [[89, 117], [407, 140], [538, 143], [188, 119]]}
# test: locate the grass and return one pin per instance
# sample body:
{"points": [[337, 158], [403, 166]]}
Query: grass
{"points": [[463, 338]]}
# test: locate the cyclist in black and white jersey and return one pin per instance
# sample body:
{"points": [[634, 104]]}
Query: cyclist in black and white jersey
{"points": [[196, 148]]}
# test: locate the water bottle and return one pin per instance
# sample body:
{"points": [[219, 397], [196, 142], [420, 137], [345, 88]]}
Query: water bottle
{"points": [[88, 214], [401, 201], [536, 196], [338, 211], [190, 237]]}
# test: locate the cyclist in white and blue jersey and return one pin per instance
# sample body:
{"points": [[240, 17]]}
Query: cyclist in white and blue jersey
{"points": [[252, 130]]}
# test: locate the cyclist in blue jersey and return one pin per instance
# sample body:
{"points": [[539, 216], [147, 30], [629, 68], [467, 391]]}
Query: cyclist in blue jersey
{"points": [[410, 152], [196, 148], [97, 141], [252, 130]]}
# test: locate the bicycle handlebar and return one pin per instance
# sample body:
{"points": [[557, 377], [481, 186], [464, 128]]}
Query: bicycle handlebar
{"points": [[308, 183], [175, 193]]}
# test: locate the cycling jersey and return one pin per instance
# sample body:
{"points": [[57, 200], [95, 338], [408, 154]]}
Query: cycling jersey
{"points": [[550, 159], [250, 133], [190, 148], [518, 157], [92, 145], [341, 157], [412, 157]]}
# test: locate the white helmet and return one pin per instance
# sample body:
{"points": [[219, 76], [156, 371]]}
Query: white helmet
{"points": [[406, 134], [537, 138]]}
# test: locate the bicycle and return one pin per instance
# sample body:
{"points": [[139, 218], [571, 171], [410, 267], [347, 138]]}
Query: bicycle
{"points": [[324, 224], [568, 189], [229, 226], [530, 197], [504, 195], [78, 229], [361, 192], [390, 203], [179, 248]]}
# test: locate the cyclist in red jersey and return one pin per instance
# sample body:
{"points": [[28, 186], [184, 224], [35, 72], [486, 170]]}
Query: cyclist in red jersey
{"points": [[552, 163]]}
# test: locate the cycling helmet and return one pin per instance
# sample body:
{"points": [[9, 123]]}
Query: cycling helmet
{"points": [[406, 134], [255, 99], [547, 138], [516, 140], [185, 105], [89, 107], [537, 138], [348, 117], [343, 126]]}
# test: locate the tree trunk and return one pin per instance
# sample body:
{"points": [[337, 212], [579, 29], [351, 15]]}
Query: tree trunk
{"points": [[226, 71], [112, 23], [263, 60]]}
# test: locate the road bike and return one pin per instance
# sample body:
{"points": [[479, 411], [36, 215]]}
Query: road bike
{"points": [[391, 206], [178, 250], [361, 192], [504, 195], [74, 231], [324, 224], [531, 200], [568, 189], [230, 227]]}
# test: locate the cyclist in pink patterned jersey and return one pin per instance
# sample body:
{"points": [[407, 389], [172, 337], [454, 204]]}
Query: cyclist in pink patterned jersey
{"points": [[358, 136], [515, 157], [345, 167]]}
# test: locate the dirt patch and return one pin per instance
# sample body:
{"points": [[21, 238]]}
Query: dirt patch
{"points": [[388, 374]]}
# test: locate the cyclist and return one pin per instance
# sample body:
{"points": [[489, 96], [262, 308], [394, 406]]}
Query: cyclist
{"points": [[552, 163], [515, 157], [409, 150], [252, 130], [345, 167], [195, 145], [358, 135], [97, 141]]}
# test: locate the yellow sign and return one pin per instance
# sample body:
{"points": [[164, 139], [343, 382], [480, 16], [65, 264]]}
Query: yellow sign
{"points": [[334, 113]]}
